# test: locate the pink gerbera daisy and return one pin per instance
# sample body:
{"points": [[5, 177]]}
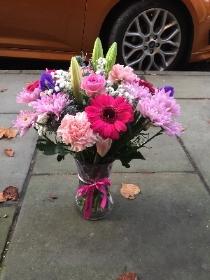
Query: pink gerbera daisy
{"points": [[109, 116]]}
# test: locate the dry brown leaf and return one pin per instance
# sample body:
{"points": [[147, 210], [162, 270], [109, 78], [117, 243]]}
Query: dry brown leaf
{"points": [[11, 193], [128, 276], [2, 131], [9, 152], [7, 132], [2, 199], [11, 133], [52, 197], [3, 89], [129, 191]]}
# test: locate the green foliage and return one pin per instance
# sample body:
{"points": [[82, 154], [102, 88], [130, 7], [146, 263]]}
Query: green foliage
{"points": [[48, 147], [127, 154]]}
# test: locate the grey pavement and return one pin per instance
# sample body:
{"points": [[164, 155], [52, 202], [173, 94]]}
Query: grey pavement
{"points": [[164, 234]]}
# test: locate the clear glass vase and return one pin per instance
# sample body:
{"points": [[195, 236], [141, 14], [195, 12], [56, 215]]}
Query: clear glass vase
{"points": [[93, 197]]}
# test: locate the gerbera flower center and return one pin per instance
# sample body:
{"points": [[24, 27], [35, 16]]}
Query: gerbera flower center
{"points": [[109, 114]]}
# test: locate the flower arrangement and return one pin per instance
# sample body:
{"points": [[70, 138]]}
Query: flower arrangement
{"points": [[98, 111]]}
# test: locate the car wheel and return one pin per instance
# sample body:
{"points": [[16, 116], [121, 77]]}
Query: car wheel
{"points": [[151, 35]]}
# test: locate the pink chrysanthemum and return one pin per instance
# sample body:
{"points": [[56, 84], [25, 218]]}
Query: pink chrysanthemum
{"points": [[77, 132], [109, 116], [30, 93], [52, 104], [24, 121], [161, 109], [136, 91], [122, 73]]}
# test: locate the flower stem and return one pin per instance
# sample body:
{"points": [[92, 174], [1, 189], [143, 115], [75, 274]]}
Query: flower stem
{"points": [[155, 135]]}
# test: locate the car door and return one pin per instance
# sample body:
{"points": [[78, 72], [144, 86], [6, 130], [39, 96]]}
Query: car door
{"points": [[42, 24]]}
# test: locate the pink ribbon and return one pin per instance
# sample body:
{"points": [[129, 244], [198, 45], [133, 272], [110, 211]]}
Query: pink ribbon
{"points": [[88, 191]]}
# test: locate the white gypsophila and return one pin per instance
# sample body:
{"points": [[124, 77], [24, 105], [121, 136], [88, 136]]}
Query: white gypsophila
{"points": [[46, 92], [40, 124], [120, 91], [41, 129], [62, 80], [101, 64], [42, 119], [110, 90]]}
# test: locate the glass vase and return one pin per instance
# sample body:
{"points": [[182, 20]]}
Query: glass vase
{"points": [[93, 197]]}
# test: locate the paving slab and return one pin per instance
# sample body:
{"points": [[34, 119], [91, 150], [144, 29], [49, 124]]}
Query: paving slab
{"points": [[13, 170], [5, 224], [13, 83], [196, 119], [185, 86], [165, 148], [163, 234]]}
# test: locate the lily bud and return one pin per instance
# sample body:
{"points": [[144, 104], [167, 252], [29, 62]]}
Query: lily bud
{"points": [[97, 52], [76, 76], [111, 57]]}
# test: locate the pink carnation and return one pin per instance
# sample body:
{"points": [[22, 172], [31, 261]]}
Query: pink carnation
{"points": [[122, 73], [76, 131], [53, 104], [24, 121], [93, 84]]}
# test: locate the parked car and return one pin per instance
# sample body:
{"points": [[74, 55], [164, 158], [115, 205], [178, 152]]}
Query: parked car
{"points": [[151, 34]]}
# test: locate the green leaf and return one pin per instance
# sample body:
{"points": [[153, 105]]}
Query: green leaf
{"points": [[47, 147], [128, 154], [50, 148]]}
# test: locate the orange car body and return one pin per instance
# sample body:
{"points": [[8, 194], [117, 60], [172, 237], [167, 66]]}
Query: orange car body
{"points": [[57, 30]]}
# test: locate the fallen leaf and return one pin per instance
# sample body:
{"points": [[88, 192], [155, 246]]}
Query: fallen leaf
{"points": [[3, 89], [11, 133], [8, 132], [128, 276], [9, 152], [11, 193], [2, 199], [52, 197], [129, 191]]}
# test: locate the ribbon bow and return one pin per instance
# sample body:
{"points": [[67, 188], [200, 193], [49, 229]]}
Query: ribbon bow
{"points": [[88, 191]]}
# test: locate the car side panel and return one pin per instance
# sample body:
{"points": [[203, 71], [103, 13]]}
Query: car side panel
{"points": [[42, 25], [200, 12], [96, 12]]}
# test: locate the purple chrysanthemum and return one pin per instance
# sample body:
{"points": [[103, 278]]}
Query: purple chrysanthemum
{"points": [[53, 104], [136, 91], [161, 108]]}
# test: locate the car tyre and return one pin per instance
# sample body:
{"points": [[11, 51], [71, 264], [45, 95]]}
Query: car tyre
{"points": [[147, 18]]}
